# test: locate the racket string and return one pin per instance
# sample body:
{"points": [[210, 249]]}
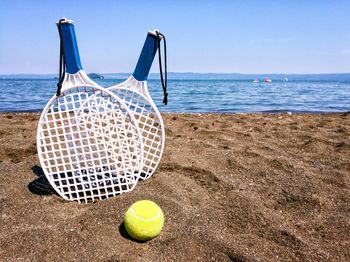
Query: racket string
{"points": [[150, 126], [71, 135]]}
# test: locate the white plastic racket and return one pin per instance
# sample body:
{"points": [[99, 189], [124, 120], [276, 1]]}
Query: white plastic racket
{"points": [[135, 94], [89, 144]]}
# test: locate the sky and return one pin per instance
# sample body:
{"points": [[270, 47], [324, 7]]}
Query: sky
{"points": [[237, 36]]}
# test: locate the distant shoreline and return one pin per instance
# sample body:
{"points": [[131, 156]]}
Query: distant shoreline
{"points": [[204, 76]]}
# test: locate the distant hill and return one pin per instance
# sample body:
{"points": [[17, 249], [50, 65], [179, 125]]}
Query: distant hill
{"points": [[29, 76], [205, 76]]}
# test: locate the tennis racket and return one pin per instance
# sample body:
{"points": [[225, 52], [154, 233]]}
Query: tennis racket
{"points": [[135, 94], [89, 144]]}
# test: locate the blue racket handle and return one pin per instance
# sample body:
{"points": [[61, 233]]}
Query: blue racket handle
{"points": [[145, 61], [70, 47]]}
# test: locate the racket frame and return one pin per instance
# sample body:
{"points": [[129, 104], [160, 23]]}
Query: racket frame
{"points": [[74, 78], [138, 84]]}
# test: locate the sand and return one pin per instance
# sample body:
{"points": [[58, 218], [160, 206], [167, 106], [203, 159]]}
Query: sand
{"points": [[240, 187]]}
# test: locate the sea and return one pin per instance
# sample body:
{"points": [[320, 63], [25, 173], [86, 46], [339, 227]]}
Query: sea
{"points": [[201, 95]]}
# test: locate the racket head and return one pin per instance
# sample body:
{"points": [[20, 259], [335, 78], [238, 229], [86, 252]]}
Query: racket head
{"points": [[89, 143], [136, 97]]}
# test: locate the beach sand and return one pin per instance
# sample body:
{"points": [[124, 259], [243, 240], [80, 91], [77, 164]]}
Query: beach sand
{"points": [[236, 187]]}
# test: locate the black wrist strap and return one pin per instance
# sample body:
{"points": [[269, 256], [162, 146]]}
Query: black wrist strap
{"points": [[62, 65], [164, 79]]}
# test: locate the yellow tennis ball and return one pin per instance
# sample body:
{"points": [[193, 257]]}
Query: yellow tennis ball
{"points": [[144, 220]]}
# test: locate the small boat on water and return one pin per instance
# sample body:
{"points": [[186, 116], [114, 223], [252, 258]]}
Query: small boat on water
{"points": [[256, 81], [267, 80], [95, 76], [285, 79]]}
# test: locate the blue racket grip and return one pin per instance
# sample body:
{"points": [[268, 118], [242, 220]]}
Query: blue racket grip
{"points": [[145, 61], [70, 47]]}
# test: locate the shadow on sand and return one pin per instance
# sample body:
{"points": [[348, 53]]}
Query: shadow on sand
{"points": [[41, 185], [124, 233]]}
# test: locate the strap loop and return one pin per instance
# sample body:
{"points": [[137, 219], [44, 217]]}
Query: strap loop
{"points": [[164, 79], [62, 65]]}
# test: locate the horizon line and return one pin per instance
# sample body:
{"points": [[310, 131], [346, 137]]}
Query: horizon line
{"points": [[199, 73]]}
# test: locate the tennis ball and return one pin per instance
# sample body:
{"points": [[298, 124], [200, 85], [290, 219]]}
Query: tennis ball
{"points": [[144, 220]]}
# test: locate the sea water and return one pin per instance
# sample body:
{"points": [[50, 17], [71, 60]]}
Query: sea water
{"points": [[199, 96]]}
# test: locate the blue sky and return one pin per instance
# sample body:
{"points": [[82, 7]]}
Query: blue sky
{"points": [[202, 36]]}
